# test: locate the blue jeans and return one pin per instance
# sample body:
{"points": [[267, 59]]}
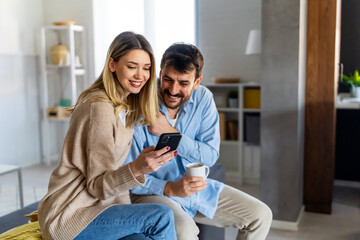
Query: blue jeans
{"points": [[154, 221]]}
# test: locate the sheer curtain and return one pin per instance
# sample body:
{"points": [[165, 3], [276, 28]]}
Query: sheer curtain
{"points": [[162, 22]]}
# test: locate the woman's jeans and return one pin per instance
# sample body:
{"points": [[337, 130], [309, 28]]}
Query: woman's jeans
{"points": [[155, 221]]}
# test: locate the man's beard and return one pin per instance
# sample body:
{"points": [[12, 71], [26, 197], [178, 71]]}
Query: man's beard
{"points": [[181, 96]]}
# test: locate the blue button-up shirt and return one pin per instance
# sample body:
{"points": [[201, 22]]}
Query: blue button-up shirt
{"points": [[198, 121]]}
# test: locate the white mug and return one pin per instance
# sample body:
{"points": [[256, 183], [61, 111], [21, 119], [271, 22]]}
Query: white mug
{"points": [[197, 169]]}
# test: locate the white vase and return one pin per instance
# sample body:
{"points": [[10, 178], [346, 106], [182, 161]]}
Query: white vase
{"points": [[355, 92], [233, 102]]}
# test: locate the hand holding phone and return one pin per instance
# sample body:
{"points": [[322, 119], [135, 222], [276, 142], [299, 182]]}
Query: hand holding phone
{"points": [[168, 139]]}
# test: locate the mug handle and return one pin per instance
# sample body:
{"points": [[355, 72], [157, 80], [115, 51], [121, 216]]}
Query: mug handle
{"points": [[207, 171]]}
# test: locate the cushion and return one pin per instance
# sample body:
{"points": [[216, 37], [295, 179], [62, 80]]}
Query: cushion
{"points": [[28, 231]]}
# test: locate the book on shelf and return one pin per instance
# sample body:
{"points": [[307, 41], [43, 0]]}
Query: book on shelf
{"points": [[252, 98], [222, 122], [232, 130]]}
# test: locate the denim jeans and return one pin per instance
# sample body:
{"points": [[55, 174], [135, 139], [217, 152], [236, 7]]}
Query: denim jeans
{"points": [[154, 221]]}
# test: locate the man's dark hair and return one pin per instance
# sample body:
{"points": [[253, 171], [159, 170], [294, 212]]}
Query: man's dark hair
{"points": [[183, 58]]}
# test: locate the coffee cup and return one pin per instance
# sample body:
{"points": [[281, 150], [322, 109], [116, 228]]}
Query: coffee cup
{"points": [[197, 169]]}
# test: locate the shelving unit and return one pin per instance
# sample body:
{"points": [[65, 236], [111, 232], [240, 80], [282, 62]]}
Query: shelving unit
{"points": [[64, 81], [240, 157]]}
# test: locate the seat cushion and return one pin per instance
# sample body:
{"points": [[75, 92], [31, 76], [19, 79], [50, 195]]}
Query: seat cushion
{"points": [[16, 218], [217, 172]]}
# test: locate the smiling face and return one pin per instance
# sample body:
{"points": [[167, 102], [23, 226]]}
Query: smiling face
{"points": [[176, 88], [132, 70]]}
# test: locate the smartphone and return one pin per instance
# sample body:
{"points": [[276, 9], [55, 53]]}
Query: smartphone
{"points": [[168, 139]]}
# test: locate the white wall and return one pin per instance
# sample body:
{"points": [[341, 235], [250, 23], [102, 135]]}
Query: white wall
{"points": [[223, 29], [20, 23]]}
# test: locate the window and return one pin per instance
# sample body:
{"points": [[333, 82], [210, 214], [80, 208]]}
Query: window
{"points": [[162, 22], [167, 22]]}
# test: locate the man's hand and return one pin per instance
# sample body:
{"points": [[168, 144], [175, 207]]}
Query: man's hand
{"points": [[185, 186], [161, 126]]}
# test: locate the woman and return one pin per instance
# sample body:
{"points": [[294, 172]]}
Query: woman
{"points": [[88, 195]]}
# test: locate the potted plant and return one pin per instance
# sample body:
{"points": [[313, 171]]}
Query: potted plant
{"points": [[354, 81], [233, 99]]}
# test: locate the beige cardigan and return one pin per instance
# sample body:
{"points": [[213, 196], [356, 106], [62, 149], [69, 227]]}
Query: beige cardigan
{"points": [[90, 176]]}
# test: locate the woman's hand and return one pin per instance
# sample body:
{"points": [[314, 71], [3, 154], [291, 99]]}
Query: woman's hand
{"points": [[150, 161]]}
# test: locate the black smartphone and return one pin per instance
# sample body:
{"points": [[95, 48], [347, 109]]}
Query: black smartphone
{"points": [[168, 139]]}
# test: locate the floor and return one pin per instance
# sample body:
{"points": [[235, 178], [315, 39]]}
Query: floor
{"points": [[342, 224]]}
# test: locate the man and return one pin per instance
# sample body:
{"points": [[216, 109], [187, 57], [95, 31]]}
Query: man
{"points": [[189, 108]]}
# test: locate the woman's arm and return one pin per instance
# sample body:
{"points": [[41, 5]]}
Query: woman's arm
{"points": [[105, 176]]}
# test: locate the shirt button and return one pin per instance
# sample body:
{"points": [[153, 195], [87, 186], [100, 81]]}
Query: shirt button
{"points": [[129, 143]]}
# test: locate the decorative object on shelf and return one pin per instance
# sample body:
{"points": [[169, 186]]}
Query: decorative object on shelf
{"points": [[59, 54], [57, 112], [233, 98], [64, 23], [77, 61], [65, 102], [252, 98], [254, 42], [252, 128], [354, 81], [220, 99], [226, 80]]}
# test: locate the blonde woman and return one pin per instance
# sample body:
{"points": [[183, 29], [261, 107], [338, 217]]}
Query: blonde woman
{"points": [[88, 195]]}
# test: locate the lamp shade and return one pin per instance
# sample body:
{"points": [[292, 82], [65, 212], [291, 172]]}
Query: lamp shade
{"points": [[254, 42]]}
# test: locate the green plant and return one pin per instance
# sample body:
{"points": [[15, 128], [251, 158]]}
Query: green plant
{"points": [[233, 94], [352, 79]]}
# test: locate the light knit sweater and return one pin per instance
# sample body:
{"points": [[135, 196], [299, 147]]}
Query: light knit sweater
{"points": [[90, 176]]}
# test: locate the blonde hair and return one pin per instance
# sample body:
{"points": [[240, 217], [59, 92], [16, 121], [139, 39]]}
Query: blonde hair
{"points": [[144, 104]]}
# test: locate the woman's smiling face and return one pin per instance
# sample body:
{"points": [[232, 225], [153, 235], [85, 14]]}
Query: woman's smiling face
{"points": [[132, 70]]}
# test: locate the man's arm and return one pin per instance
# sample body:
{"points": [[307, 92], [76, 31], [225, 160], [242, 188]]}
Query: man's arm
{"points": [[205, 147], [184, 187]]}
